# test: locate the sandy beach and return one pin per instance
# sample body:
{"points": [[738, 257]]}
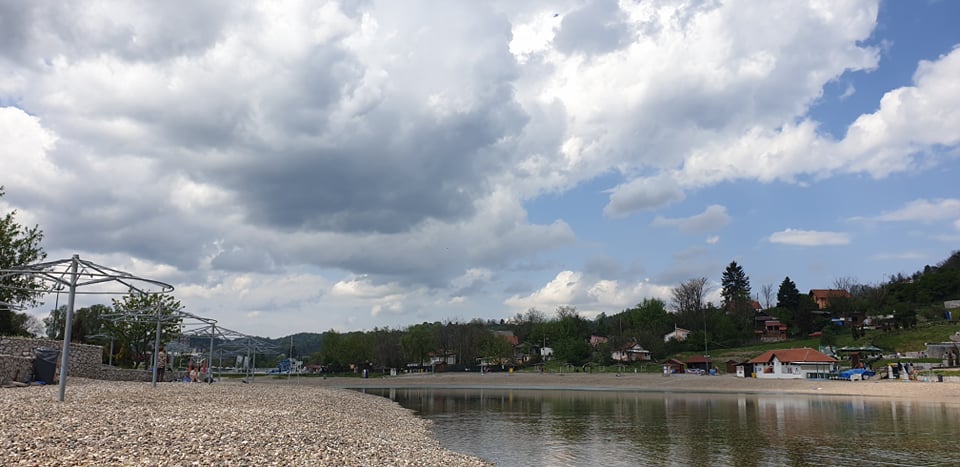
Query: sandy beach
{"points": [[677, 383]]}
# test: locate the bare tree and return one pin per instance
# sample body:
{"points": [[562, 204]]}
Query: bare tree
{"points": [[845, 283], [534, 315], [767, 293], [690, 295]]}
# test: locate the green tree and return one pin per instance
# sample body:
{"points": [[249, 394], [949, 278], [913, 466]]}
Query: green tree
{"points": [[572, 351], [89, 324], [418, 342], [736, 285], [736, 298], [135, 327], [496, 349], [788, 297], [19, 246]]}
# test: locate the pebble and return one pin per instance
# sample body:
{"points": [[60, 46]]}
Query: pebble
{"points": [[227, 423]]}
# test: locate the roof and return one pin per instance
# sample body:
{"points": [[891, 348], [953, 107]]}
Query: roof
{"points": [[803, 355], [827, 293]]}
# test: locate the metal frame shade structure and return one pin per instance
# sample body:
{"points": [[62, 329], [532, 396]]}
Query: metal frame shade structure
{"points": [[76, 274], [198, 326], [149, 315]]}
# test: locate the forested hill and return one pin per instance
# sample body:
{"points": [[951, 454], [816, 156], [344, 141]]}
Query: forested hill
{"points": [[301, 345], [933, 285]]}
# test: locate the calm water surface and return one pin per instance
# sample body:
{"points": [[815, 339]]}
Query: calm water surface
{"points": [[612, 428]]}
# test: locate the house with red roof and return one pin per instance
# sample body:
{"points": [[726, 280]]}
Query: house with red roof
{"points": [[794, 364], [822, 296]]}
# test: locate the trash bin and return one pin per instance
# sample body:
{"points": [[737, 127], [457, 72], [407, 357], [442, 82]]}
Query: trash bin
{"points": [[939, 378], [45, 364]]}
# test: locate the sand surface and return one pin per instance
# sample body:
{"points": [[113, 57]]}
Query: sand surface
{"points": [[912, 390]]}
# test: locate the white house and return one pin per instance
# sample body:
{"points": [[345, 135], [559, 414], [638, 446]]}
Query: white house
{"points": [[679, 334], [793, 364], [631, 353]]}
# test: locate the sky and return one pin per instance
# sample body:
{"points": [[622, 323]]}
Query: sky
{"points": [[305, 166]]}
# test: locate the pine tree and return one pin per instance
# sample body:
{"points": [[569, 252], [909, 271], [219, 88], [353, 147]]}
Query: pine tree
{"points": [[788, 296], [736, 286]]}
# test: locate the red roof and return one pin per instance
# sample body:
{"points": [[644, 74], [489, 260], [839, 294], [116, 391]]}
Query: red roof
{"points": [[794, 356], [827, 293]]}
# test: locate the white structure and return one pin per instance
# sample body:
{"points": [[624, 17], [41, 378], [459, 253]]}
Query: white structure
{"points": [[631, 353], [793, 364], [679, 334]]}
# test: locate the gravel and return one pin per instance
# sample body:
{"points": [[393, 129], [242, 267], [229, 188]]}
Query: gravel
{"points": [[227, 423]]}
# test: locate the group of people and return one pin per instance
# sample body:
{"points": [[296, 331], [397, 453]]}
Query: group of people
{"points": [[195, 373]]}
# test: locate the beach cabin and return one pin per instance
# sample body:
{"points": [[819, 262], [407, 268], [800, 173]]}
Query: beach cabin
{"points": [[674, 366], [794, 364], [699, 364]]}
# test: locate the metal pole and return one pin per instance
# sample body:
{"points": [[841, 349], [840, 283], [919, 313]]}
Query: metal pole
{"points": [[210, 359], [71, 300], [156, 345]]}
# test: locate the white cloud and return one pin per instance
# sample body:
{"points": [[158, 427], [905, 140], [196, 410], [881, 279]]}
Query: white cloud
{"points": [[923, 210], [25, 146], [809, 238], [589, 296], [712, 218], [713, 240]]}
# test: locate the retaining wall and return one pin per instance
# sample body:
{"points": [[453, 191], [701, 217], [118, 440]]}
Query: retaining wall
{"points": [[86, 361]]}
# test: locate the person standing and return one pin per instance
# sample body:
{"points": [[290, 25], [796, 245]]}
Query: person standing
{"points": [[161, 363]]}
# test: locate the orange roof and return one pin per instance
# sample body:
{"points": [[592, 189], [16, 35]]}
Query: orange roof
{"points": [[794, 356], [827, 293]]}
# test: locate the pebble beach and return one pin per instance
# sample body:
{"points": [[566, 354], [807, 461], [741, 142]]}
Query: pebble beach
{"points": [[312, 420], [226, 423]]}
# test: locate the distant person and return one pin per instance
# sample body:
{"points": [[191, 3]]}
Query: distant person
{"points": [[194, 375], [161, 364]]}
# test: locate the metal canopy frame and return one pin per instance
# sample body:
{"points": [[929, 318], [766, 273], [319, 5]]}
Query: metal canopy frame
{"points": [[74, 274]]}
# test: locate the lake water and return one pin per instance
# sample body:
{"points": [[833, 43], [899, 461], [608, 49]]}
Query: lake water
{"points": [[613, 428]]}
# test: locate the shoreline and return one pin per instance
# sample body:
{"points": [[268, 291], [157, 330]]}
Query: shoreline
{"points": [[916, 391]]}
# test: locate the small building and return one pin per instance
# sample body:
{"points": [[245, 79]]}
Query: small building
{"points": [[631, 353], [773, 331], [674, 366], [793, 364], [699, 363], [731, 365], [596, 340], [743, 369], [679, 334], [822, 296]]}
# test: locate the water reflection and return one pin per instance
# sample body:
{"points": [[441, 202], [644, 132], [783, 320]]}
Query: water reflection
{"points": [[576, 427]]}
